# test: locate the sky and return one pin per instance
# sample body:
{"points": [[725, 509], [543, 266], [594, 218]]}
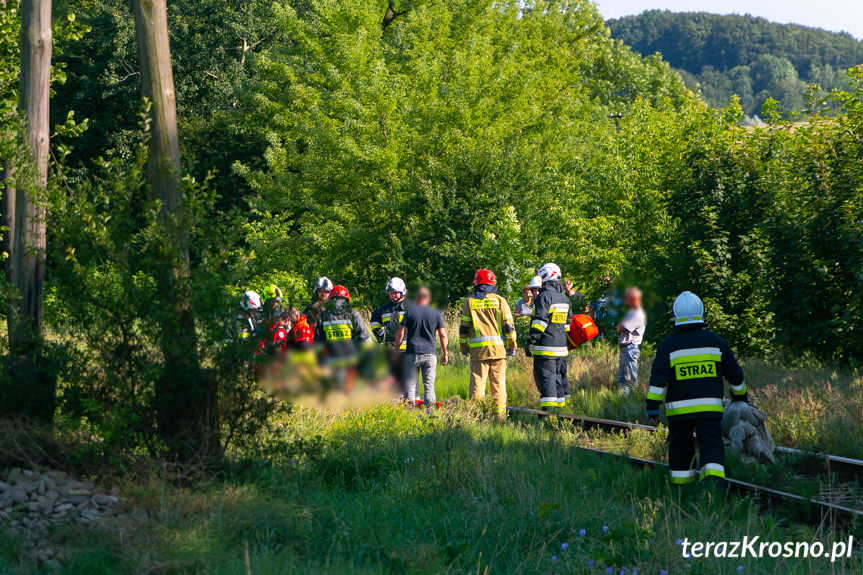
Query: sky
{"points": [[833, 15]]}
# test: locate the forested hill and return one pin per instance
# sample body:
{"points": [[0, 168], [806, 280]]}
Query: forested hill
{"points": [[752, 57]]}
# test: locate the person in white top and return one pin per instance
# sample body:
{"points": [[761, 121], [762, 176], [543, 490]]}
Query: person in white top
{"points": [[631, 333]]}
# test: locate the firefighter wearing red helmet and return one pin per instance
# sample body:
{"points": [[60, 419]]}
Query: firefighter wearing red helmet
{"points": [[340, 330], [487, 334]]}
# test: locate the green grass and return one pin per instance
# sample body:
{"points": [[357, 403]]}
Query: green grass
{"points": [[391, 490]]}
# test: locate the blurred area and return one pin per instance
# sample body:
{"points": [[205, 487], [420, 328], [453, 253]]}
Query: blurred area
{"points": [[307, 378], [321, 357]]}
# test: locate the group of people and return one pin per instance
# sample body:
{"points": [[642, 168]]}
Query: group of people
{"points": [[687, 375], [630, 330]]}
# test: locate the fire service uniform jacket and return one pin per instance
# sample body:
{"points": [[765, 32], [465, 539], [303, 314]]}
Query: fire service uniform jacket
{"points": [[383, 328], [548, 344], [486, 330], [341, 334], [550, 322], [688, 373]]}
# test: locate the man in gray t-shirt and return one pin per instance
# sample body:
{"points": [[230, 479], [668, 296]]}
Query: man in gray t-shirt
{"points": [[421, 324], [630, 335]]}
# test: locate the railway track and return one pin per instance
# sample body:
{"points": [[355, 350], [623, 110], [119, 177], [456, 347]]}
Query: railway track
{"points": [[835, 462], [813, 510]]}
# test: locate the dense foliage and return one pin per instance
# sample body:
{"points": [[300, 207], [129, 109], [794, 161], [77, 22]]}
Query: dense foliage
{"points": [[771, 224], [743, 55], [458, 139]]}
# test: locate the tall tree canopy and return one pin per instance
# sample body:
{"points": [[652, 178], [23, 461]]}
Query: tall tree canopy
{"points": [[467, 134]]}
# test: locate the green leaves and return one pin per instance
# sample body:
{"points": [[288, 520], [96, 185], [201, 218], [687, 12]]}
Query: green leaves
{"points": [[440, 147]]}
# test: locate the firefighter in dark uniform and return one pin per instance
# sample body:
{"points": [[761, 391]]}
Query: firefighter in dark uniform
{"points": [[323, 287], [546, 341], [385, 331], [342, 333], [688, 375]]}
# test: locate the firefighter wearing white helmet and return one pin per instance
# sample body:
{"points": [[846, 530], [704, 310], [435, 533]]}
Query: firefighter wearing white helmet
{"points": [[688, 376], [248, 320], [323, 287], [386, 321], [396, 291], [546, 341]]}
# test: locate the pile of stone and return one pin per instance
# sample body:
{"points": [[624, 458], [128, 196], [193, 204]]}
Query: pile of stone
{"points": [[31, 503]]}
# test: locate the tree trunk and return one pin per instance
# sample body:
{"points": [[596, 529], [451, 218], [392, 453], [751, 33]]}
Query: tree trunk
{"points": [[29, 382], [389, 16], [8, 217], [185, 401]]}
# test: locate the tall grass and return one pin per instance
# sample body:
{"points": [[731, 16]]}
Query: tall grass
{"points": [[395, 490], [811, 407]]}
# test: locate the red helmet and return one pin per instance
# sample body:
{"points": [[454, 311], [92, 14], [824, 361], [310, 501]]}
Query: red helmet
{"points": [[340, 291], [485, 277]]}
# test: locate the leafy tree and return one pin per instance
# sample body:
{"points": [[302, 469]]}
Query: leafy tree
{"points": [[25, 219], [210, 43], [692, 40], [108, 312], [815, 227], [719, 249], [469, 135], [774, 77]]}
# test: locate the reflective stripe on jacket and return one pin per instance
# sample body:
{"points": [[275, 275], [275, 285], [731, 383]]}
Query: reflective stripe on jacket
{"points": [[550, 322], [341, 333], [486, 327], [383, 328], [688, 375]]}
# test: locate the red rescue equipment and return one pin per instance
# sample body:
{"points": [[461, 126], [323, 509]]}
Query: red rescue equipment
{"points": [[302, 331], [581, 329]]}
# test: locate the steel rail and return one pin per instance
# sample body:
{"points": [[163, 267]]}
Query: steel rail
{"points": [[625, 425], [823, 507]]}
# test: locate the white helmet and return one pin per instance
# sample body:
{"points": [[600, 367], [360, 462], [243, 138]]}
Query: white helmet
{"points": [[251, 301], [549, 272], [535, 282], [324, 283], [396, 285], [688, 309]]}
